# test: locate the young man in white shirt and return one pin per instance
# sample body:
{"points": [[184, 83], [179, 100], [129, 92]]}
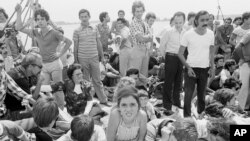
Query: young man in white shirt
{"points": [[169, 48], [200, 45]]}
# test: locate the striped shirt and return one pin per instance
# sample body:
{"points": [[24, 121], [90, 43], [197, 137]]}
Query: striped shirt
{"points": [[86, 39]]}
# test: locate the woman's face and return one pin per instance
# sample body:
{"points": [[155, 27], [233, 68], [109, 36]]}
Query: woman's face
{"points": [[77, 76], [129, 108]]}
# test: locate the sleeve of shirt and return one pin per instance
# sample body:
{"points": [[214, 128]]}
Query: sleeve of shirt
{"points": [[245, 39], [223, 76], [164, 40], [235, 31], [151, 133], [17, 91], [75, 36], [184, 40], [14, 129], [59, 36]]}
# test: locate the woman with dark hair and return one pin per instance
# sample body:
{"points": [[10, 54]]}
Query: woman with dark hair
{"points": [[77, 94]]}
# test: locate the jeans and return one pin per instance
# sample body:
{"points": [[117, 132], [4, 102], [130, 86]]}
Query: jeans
{"points": [[243, 96], [91, 68], [189, 87], [124, 58], [139, 59], [173, 81]]}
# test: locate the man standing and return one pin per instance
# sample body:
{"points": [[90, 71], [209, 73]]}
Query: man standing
{"points": [[88, 51], [169, 47], [114, 27], [141, 36], [222, 37], [199, 43], [104, 31]]}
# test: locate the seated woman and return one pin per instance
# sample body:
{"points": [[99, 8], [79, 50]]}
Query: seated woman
{"points": [[77, 94], [127, 122]]}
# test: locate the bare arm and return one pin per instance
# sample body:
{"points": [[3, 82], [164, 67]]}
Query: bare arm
{"points": [[143, 126], [19, 23], [181, 56], [68, 43], [113, 125], [232, 39]]}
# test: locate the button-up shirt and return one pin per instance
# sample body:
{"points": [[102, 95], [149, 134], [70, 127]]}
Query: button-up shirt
{"points": [[7, 82], [170, 41], [138, 27]]}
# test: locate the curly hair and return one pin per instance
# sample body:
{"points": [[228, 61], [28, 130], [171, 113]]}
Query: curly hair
{"points": [[224, 95], [42, 13]]}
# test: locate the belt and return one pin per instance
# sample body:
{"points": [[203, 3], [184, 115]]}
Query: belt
{"points": [[171, 54]]}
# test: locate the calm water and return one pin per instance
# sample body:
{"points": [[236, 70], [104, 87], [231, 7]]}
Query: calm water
{"points": [[69, 29]]}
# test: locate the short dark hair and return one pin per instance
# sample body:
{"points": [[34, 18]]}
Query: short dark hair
{"points": [[229, 63], [45, 111], [30, 59], [42, 13], [198, 15], [132, 71], [150, 15], [232, 83], [228, 19], [211, 15], [224, 95], [218, 57], [236, 19], [121, 11], [72, 69], [126, 92], [245, 16], [122, 20], [137, 4], [82, 128], [4, 13], [83, 11], [190, 15], [178, 14], [102, 16]]}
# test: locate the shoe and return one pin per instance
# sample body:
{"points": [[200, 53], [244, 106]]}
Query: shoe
{"points": [[168, 112], [106, 104]]}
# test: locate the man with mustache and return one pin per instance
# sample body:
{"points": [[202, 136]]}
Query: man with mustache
{"points": [[199, 42]]}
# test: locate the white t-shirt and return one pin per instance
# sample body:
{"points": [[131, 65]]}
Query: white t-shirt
{"points": [[240, 33], [198, 47]]}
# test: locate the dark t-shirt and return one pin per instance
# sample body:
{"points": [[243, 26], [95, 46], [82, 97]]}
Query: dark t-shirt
{"points": [[152, 63]]}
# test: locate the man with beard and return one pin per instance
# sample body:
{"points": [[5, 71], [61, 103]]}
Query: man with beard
{"points": [[199, 43]]}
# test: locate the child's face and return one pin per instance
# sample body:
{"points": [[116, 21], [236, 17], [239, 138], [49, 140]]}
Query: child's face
{"points": [[106, 59], [220, 63], [144, 100]]}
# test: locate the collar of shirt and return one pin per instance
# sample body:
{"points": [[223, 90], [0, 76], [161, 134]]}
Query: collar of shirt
{"points": [[138, 20], [175, 30], [85, 27], [49, 29]]}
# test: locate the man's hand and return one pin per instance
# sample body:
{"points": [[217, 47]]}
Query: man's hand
{"points": [[18, 8], [191, 72]]}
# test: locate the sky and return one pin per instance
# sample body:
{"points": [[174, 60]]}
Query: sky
{"points": [[67, 10]]}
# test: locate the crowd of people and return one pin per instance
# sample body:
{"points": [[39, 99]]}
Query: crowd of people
{"points": [[192, 87]]}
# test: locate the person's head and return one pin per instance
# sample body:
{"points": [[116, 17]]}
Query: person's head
{"points": [[219, 129], [3, 15], [230, 65], [190, 18], [138, 9], [179, 20], [42, 18], [228, 21], [144, 98], [233, 84], [167, 123], [201, 19], [150, 18], [104, 17], [45, 112], [84, 16], [124, 82], [121, 22], [237, 21], [219, 60], [133, 73], [246, 17], [211, 19], [225, 96], [121, 14], [82, 128], [75, 73], [106, 57], [32, 63], [37, 6], [128, 103]]}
